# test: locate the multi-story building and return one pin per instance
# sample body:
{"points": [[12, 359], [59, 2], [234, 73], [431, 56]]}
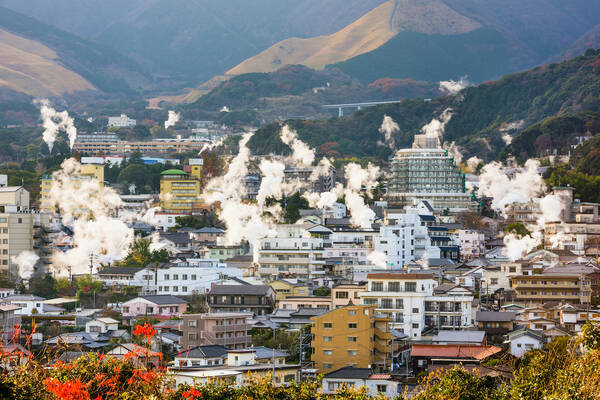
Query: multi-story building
{"points": [[351, 336], [14, 196], [92, 170], [16, 236], [414, 302], [346, 293], [180, 190], [183, 145], [3, 180], [228, 329], [258, 299], [549, 286], [160, 306], [472, 243], [296, 251], [323, 183], [123, 121], [428, 174], [97, 137]]}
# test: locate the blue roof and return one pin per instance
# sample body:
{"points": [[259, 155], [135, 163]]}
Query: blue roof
{"points": [[427, 217]]}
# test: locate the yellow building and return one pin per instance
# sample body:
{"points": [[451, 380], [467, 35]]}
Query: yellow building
{"points": [[180, 190], [88, 171], [556, 287], [351, 336], [284, 289]]}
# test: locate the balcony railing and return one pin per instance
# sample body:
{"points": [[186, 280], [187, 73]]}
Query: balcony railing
{"points": [[231, 328]]}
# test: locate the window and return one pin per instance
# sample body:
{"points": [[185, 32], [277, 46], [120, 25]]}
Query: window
{"points": [[327, 352], [175, 277], [386, 303], [399, 304], [352, 325], [327, 325], [327, 366], [415, 310], [166, 277], [193, 336], [377, 286], [351, 352], [352, 339], [494, 281], [352, 312], [327, 338], [381, 388], [184, 277], [192, 323], [341, 295], [370, 302], [175, 288], [415, 326], [410, 286], [394, 287], [193, 277], [184, 288]]}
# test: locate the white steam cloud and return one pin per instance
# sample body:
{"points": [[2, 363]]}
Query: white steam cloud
{"points": [[357, 177], [388, 128], [454, 87], [54, 122], [172, 120], [507, 139], [378, 258], [25, 261], [433, 132]]}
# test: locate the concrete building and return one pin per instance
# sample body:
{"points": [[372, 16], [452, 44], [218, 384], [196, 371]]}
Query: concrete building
{"points": [[296, 252], [96, 137], [428, 174], [16, 236], [3, 180], [101, 325], [15, 196], [351, 336], [552, 286], [352, 377], [344, 294], [122, 121], [228, 329], [179, 145], [415, 302], [288, 288], [257, 299], [472, 243], [324, 182], [180, 190]]}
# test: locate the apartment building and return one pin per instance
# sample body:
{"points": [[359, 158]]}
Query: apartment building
{"points": [[183, 145], [296, 251], [228, 329], [415, 302], [347, 293], [323, 183], [472, 243], [15, 196], [16, 236], [351, 336], [180, 190], [257, 299], [548, 286], [122, 121], [288, 288]]}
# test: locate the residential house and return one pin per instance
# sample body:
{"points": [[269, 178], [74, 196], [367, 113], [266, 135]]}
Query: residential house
{"points": [[523, 340], [425, 355], [288, 288], [353, 377], [474, 338], [228, 329], [346, 293], [496, 322], [351, 335], [101, 325], [295, 303], [8, 320], [258, 299], [160, 306], [209, 355]]}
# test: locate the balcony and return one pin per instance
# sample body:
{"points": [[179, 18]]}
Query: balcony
{"points": [[212, 339], [231, 328]]}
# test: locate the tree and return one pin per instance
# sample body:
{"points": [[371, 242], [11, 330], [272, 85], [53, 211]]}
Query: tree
{"points": [[322, 291], [136, 174], [160, 132], [518, 229], [43, 286], [141, 255], [293, 205]]}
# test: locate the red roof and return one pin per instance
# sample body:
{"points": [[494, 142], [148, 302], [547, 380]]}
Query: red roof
{"points": [[453, 351], [382, 377]]}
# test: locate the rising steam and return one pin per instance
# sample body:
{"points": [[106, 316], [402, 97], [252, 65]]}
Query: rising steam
{"points": [[25, 261], [388, 128], [172, 120], [54, 122], [454, 87]]}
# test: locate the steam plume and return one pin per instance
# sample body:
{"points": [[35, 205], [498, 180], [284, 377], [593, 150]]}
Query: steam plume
{"points": [[388, 128], [172, 120], [25, 261], [55, 122], [454, 87]]}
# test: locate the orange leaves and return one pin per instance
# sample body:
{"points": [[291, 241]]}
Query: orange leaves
{"points": [[191, 394], [69, 390], [145, 330]]}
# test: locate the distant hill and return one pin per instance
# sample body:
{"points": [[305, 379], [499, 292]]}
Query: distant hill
{"points": [[481, 114], [40, 60], [296, 91]]}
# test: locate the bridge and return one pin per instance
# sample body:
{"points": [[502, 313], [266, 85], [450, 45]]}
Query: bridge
{"points": [[358, 106]]}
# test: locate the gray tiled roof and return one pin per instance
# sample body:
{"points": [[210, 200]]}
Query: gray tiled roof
{"points": [[258, 290], [495, 316], [164, 299]]}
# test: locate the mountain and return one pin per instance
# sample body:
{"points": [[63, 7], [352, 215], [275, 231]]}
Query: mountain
{"points": [[40, 60], [193, 40], [366, 34], [29, 67], [482, 114]]}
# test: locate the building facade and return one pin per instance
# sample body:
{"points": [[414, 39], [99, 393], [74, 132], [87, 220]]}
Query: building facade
{"points": [[226, 329], [180, 190]]}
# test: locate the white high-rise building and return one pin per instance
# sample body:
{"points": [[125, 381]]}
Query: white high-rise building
{"points": [[122, 121]]}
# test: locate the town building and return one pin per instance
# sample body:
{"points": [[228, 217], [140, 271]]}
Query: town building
{"points": [[559, 284], [160, 306], [296, 252], [228, 329], [16, 236], [430, 174], [523, 340], [258, 299], [415, 302], [122, 121], [178, 145], [96, 137], [298, 302], [200, 356], [101, 325], [351, 336], [425, 356], [288, 288], [324, 182], [346, 293], [495, 323], [353, 377], [472, 243], [180, 190]]}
